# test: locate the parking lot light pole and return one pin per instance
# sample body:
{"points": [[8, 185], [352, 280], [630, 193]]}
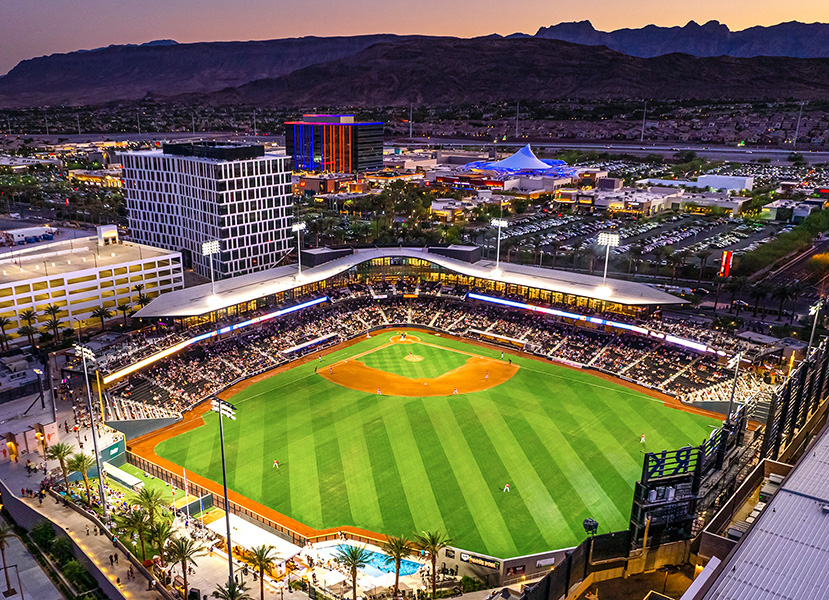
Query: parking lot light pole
{"points": [[87, 354], [225, 409], [814, 310], [499, 223], [609, 240], [734, 362]]}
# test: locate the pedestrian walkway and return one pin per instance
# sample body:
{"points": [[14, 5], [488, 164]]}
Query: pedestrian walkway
{"points": [[33, 581]]}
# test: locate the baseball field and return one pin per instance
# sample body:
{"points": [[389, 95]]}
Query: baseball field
{"points": [[398, 434]]}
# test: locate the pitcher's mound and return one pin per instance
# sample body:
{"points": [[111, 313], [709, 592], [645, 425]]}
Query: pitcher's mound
{"points": [[413, 358]]}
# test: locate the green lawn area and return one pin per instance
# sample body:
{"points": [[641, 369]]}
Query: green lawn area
{"points": [[392, 359], [566, 441]]}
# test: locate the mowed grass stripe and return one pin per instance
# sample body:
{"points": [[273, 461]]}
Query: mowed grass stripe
{"points": [[274, 436], [503, 460], [303, 461], [524, 478], [394, 505], [571, 460], [419, 493], [474, 485], [454, 511], [357, 471], [331, 482]]}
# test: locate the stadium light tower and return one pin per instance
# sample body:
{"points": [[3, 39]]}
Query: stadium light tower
{"points": [[209, 249], [609, 240], [87, 354], [734, 362], [225, 409], [814, 310], [298, 227], [499, 223]]}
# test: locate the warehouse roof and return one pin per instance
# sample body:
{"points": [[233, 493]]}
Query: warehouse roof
{"points": [[199, 300]]}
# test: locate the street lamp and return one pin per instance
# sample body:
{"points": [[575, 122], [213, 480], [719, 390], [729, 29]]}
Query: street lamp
{"points": [[225, 409], [609, 240], [298, 227], [814, 310], [499, 223], [38, 372], [209, 249], [87, 354], [734, 362]]}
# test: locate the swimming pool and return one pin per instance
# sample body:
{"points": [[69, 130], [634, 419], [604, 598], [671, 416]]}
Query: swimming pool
{"points": [[377, 566]]}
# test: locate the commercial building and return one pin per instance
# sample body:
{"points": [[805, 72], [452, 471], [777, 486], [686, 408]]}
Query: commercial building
{"points": [[728, 183], [101, 177], [334, 143], [81, 275], [187, 194]]}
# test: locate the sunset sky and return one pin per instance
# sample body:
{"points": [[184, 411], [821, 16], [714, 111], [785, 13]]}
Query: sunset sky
{"points": [[30, 28]]}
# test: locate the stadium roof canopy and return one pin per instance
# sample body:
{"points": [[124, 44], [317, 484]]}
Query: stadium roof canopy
{"points": [[199, 300], [524, 161]]}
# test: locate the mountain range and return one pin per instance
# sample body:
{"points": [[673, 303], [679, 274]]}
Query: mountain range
{"points": [[385, 69], [793, 39]]}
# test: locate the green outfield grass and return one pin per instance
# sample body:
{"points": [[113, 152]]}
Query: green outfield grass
{"points": [[566, 441], [392, 359]]}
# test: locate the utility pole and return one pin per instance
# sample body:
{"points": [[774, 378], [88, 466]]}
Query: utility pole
{"points": [[410, 121], [797, 129], [644, 114], [517, 113]]}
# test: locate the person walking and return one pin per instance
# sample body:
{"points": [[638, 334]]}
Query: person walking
{"points": [[506, 488]]}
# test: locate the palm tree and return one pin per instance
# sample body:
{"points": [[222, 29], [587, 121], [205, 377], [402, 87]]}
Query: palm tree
{"points": [[6, 534], [556, 246], [757, 292], [397, 548], [781, 292], [736, 285], [674, 260], [592, 253], [185, 551], [703, 256], [81, 463], [576, 250], [160, 534], [52, 311], [719, 280], [353, 558], [433, 542], [28, 315], [150, 500], [143, 300], [796, 288], [124, 308], [101, 313], [60, 452], [54, 325], [29, 332], [232, 591], [658, 253], [135, 522], [4, 322], [263, 560]]}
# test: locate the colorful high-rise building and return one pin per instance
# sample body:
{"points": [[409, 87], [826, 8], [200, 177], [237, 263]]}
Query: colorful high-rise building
{"points": [[335, 144]]}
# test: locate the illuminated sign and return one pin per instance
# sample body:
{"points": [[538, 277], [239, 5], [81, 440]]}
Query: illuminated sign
{"points": [[725, 263], [204, 336], [671, 339], [480, 561]]}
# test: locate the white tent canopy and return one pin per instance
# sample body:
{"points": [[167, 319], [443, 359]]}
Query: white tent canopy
{"points": [[523, 160], [249, 536]]}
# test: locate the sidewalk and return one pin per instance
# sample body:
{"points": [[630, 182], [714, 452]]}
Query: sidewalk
{"points": [[35, 583]]}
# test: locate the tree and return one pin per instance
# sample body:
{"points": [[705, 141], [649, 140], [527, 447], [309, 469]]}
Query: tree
{"points": [[52, 311], [757, 292], [143, 300], [796, 288], [719, 280], [634, 256], [81, 463], [556, 246], [54, 325], [658, 253], [61, 452], [232, 591], [781, 292], [28, 315], [576, 250], [124, 308], [352, 558], [433, 542], [136, 522], [592, 253], [184, 551], [263, 559], [29, 332], [674, 260], [397, 548], [6, 535], [703, 256], [150, 499], [101, 313], [161, 533], [4, 322]]}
